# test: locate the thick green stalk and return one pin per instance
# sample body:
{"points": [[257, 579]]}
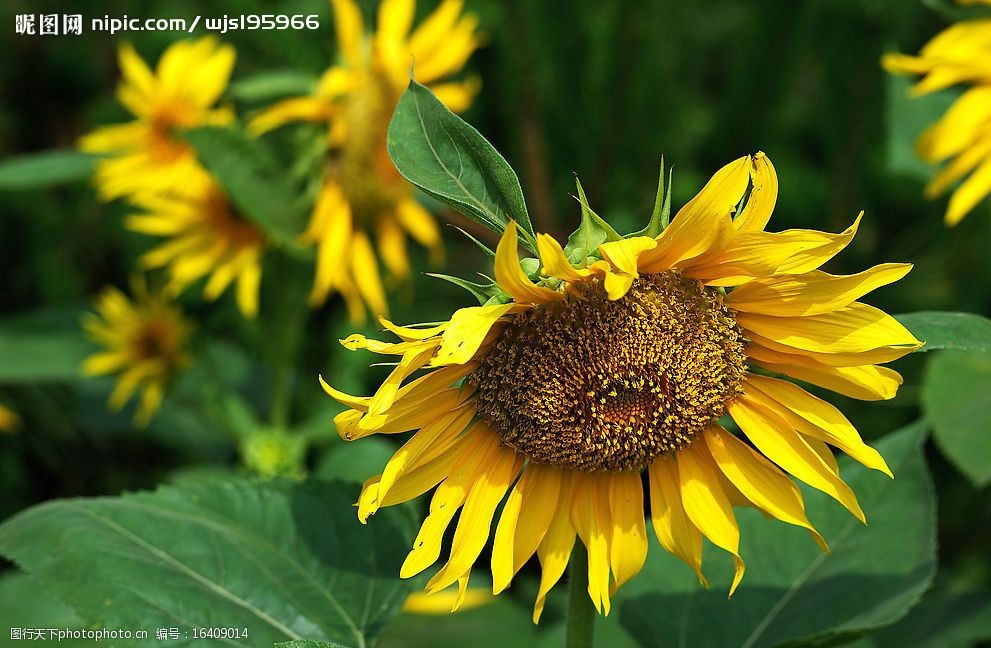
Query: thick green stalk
{"points": [[581, 612]]}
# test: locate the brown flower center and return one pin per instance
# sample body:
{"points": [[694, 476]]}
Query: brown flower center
{"points": [[598, 385]]}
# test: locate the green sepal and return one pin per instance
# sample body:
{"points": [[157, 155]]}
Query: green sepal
{"points": [[482, 246], [592, 232], [482, 292], [660, 217]]}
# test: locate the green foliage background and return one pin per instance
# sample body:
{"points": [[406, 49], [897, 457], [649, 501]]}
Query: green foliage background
{"points": [[590, 88]]}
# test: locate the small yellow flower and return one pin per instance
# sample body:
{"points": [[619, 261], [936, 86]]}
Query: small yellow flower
{"points": [[205, 237], [9, 420], [144, 342], [962, 138], [145, 154], [559, 399], [362, 194]]}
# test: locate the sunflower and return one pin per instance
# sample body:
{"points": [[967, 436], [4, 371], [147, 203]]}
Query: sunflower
{"points": [[361, 194], [559, 399], [145, 154], [144, 342], [206, 237], [962, 138]]}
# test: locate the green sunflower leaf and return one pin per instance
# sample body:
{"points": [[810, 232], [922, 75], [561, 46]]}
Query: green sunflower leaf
{"points": [[286, 560], [253, 180], [43, 356], [446, 157], [941, 620], [940, 330], [45, 169], [954, 398], [792, 591], [592, 232]]}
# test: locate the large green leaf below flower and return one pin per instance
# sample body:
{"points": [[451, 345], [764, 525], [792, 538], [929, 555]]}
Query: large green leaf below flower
{"points": [[949, 330], [285, 560], [792, 591], [445, 156], [955, 400]]}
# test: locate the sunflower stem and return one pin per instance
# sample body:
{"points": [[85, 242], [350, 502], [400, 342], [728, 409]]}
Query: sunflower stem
{"points": [[581, 612], [285, 330]]}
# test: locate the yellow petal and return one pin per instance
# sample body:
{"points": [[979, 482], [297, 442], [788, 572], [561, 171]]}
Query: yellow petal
{"points": [[812, 293], [707, 505], [704, 224], [780, 443], [509, 275], [971, 192], [466, 331], [866, 382], [855, 328], [479, 447], [591, 517], [350, 30], [554, 262], [758, 479], [524, 522], [628, 540], [418, 222], [440, 432], [874, 356], [624, 254], [472, 533], [673, 529], [761, 254], [248, 284], [763, 195], [365, 272], [457, 95], [554, 551], [309, 109], [822, 420]]}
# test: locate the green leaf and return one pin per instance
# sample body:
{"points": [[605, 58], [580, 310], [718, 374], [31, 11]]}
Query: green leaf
{"points": [[442, 154], [592, 232], [955, 400], [309, 643], [45, 169], [25, 604], [267, 86], [942, 330], [907, 117], [252, 179], [660, 217], [941, 620], [286, 560], [481, 292], [791, 590], [41, 357]]}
